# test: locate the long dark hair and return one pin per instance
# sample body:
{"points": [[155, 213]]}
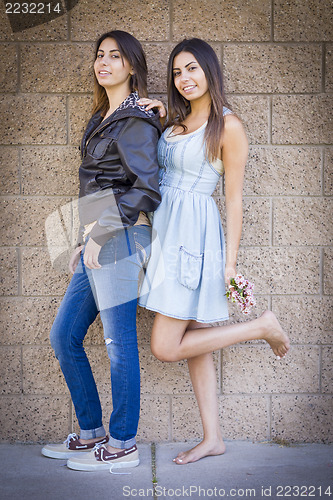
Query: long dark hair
{"points": [[130, 48], [179, 107]]}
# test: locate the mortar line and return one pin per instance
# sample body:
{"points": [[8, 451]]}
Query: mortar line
{"points": [[322, 171], [153, 469]]}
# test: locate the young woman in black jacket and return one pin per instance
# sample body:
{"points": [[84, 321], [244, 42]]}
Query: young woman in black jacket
{"points": [[118, 187]]}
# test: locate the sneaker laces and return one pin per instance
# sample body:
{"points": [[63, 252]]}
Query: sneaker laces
{"points": [[70, 437], [96, 448]]}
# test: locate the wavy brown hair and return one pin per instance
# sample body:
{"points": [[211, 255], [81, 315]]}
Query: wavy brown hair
{"points": [[130, 48], [179, 107]]}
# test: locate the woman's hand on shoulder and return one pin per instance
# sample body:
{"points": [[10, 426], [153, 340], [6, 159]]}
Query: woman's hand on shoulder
{"points": [[153, 103]]}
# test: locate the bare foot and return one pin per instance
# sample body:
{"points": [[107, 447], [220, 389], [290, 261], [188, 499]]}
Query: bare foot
{"points": [[275, 336], [201, 450]]}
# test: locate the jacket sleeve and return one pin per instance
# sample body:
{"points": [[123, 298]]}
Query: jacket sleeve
{"points": [[137, 149]]}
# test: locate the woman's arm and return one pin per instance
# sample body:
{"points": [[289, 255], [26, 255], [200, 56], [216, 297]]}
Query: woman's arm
{"points": [[234, 157], [137, 149]]}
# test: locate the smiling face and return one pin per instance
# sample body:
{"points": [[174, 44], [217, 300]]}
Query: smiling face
{"points": [[189, 78], [111, 68]]}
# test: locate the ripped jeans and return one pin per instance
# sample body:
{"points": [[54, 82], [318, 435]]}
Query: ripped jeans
{"points": [[111, 291]]}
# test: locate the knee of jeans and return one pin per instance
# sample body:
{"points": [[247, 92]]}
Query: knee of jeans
{"points": [[58, 341], [111, 348]]}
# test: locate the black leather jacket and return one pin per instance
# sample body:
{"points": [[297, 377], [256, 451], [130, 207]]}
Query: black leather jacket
{"points": [[119, 169]]}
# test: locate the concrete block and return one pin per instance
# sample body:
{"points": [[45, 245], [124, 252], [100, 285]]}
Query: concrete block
{"points": [[166, 378], [272, 68], [328, 271], [328, 171], [186, 422], [27, 320], [49, 170], [281, 270], [38, 276], [241, 417], [255, 369], [10, 370], [327, 370], [157, 59], [69, 68], [302, 221], [302, 418], [283, 171], [24, 219], [35, 418], [254, 113], [9, 271], [154, 423], [10, 170], [33, 119], [244, 417], [8, 68], [302, 21], [306, 319], [146, 21], [80, 108], [41, 372], [222, 20], [294, 117], [256, 221]]}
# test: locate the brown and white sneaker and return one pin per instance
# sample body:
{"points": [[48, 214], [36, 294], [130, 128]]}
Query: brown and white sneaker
{"points": [[101, 459], [70, 447]]}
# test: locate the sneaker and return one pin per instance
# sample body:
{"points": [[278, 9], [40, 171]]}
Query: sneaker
{"points": [[101, 459], [71, 446]]}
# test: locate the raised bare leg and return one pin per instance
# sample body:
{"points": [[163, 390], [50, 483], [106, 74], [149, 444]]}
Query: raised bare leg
{"points": [[203, 376], [172, 342]]}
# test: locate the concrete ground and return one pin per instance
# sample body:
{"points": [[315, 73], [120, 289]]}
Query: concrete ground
{"points": [[247, 470]]}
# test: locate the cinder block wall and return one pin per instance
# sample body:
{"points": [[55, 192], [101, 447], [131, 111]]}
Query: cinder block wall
{"points": [[277, 59]]}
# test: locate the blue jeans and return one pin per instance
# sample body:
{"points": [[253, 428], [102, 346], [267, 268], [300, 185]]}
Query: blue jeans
{"points": [[111, 291]]}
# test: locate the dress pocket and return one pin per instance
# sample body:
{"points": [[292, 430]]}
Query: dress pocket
{"points": [[189, 268]]}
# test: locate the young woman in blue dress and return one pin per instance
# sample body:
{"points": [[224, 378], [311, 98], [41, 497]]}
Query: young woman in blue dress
{"points": [[189, 267]]}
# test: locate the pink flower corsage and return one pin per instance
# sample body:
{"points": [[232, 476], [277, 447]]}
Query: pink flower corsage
{"points": [[241, 291]]}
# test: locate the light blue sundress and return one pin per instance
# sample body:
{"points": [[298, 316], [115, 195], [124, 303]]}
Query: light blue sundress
{"points": [[185, 273]]}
